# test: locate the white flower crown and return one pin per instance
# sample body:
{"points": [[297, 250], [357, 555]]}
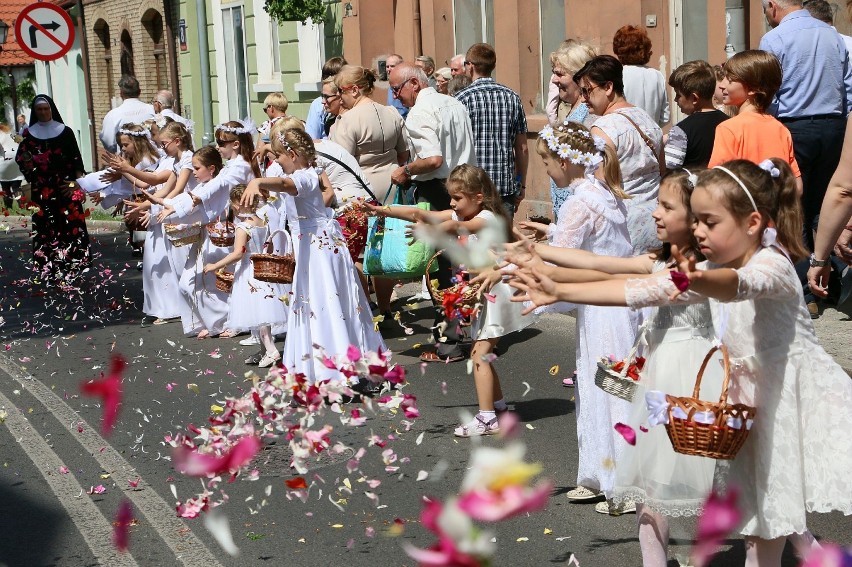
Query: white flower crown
{"points": [[142, 134], [564, 150], [248, 127]]}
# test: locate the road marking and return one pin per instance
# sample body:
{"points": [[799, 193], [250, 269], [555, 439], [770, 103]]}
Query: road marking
{"points": [[94, 527], [187, 548]]}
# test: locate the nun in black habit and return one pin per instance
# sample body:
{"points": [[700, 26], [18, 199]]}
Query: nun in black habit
{"points": [[50, 159]]}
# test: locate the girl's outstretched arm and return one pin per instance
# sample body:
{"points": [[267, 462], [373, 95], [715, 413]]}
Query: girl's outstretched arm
{"points": [[583, 259], [272, 184], [240, 240], [720, 283], [413, 214], [541, 290]]}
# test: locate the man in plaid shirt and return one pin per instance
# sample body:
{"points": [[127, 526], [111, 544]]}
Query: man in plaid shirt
{"points": [[499, 126]]}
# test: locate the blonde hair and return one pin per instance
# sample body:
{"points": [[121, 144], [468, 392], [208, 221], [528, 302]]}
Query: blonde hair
{"points": [[142, 146], [571, 55], [285, 123], [331, 81], [775, 198], [579, 138], [470, 180], [176, 130], [297, 140], [277, 101], [353, 75]]}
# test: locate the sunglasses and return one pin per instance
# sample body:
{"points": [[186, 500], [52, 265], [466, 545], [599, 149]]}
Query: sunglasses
{"points": [[329, 97], [587, 91], [395, 90], [222, 143]]}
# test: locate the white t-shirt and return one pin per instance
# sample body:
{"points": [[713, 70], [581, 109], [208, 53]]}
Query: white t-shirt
{"points": [[131, 111]]}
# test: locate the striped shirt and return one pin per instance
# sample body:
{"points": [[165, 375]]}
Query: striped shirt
{"points": [[497, 117]]}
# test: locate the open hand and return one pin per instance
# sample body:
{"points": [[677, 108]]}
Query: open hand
{"points": [[539, 229], [686, 266], [165, 213], [109, 176], [534, 287], [251, 193]]}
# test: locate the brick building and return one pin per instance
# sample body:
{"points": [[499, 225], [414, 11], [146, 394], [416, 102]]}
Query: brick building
{"points": [[129, 37]]}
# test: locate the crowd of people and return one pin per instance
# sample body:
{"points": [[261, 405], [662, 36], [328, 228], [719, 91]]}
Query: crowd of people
{"points": [[679, 242]]}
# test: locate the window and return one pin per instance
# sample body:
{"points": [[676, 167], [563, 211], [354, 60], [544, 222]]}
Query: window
{"points": [[552, 14], [152, 21], [474, 23], [126, 57], [105, 48], [236, 73]]}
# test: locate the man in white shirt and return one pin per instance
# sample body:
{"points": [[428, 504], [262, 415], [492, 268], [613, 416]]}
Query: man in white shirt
{"points": [[130, 111], [441, 138]]}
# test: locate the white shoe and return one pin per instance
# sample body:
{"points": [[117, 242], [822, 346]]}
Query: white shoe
{"points": [[582, 494], [250, 340], [477, 427], [268, 360], [613, 509]]}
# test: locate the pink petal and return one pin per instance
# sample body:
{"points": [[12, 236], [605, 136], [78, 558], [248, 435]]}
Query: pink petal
{"points": [[353, 353], [495, 506], [109, 390], [719, 518], [829, 555], [510, 424], [627, 432], [121, 530], [680, 280], [193, 463]]}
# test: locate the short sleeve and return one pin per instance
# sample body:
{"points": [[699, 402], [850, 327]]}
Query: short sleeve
{"points": [[402, 138], [676, 148]]}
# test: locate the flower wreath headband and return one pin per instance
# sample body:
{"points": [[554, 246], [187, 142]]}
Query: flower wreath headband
{"points": [[564, 150], [247, 127], [144, 133]]}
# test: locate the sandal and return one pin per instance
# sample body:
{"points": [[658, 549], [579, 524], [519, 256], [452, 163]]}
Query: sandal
{"points": [[432, 356], [477, 428], [569, 382], [203, 334], [159, 321], [228, 334]]}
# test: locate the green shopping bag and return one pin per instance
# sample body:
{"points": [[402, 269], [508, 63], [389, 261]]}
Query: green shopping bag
{"points": [[390, 252]]}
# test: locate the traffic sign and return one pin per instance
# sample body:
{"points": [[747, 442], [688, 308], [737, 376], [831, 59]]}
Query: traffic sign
{"points": [[44, 31]]}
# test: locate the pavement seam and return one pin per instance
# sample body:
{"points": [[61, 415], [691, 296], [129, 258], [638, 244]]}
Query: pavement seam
{"points": [[186, 547], [86, 516]]}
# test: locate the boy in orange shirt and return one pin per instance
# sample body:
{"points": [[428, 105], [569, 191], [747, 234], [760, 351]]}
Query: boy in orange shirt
{"points": [[751, 80]]}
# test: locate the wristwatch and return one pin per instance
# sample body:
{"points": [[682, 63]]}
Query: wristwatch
{"points": [[818, 263], [407, 171]]}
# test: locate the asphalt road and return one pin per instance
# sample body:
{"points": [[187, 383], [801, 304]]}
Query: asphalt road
{"points": [[52, 452]]}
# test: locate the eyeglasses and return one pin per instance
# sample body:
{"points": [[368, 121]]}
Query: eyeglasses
{"points": [[326, 98], [267, 107], [587, 91], [164, 145], [396, 89]]}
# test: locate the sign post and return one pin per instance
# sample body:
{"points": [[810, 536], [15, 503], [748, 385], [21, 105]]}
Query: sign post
{"points": [[44, 31]]}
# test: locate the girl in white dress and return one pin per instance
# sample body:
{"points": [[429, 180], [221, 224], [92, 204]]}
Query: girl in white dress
{"points": [[255, 305], [595, 220], [474, 206], [798, 456], [659, 481], [328, 308]]}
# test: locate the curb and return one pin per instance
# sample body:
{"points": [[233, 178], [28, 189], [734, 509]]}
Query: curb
{"points": [[104, 225]]}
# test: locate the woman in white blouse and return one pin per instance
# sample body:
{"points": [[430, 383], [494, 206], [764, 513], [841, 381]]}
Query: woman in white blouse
{"points": [[644, 86]]}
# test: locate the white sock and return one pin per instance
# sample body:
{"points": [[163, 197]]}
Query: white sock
{"points": [[487, 416], [500, 405]]}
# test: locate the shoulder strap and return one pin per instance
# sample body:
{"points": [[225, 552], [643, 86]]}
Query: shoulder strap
{"points": [[647, 140], [349, 169]]}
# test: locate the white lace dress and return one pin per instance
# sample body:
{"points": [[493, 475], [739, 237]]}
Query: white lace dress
{"points": [[253, 302], [678, 337], [640, 171], [328, 307], [594, 220], [798, 457]]}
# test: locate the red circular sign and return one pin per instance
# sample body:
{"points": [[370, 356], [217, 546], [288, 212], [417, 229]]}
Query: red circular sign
{"points": [[44, 31]]}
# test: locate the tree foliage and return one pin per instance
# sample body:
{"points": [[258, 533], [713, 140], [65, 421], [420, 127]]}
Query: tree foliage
{"points": [[296, 10]]}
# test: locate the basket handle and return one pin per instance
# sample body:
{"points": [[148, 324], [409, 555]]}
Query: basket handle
{"points": [[429, 276], [267, 246], [723, 397], [643, 328]]}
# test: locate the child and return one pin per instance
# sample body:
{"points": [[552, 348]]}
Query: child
{"points": [[690, 142], [661, 482], [718, 104], [595, 220], [751, 80], [328, 308], [797, 458], [475, 203], [255, 305]]}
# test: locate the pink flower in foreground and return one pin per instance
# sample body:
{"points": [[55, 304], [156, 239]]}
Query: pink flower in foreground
{"points": [[627, 432], [829, 555], [459, 543], [109, 390], [680, 280], [719, 518], [191, 462], [121, 526], [494, 506]]}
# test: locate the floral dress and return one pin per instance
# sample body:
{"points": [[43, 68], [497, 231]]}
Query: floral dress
{"points": [[60, 238]]}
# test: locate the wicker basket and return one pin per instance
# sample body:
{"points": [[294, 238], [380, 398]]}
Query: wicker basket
{"points": [[619, 384], [273, 268], [469, 292], [224, 281], [183, 234], [717, 440], [221, 234]]}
